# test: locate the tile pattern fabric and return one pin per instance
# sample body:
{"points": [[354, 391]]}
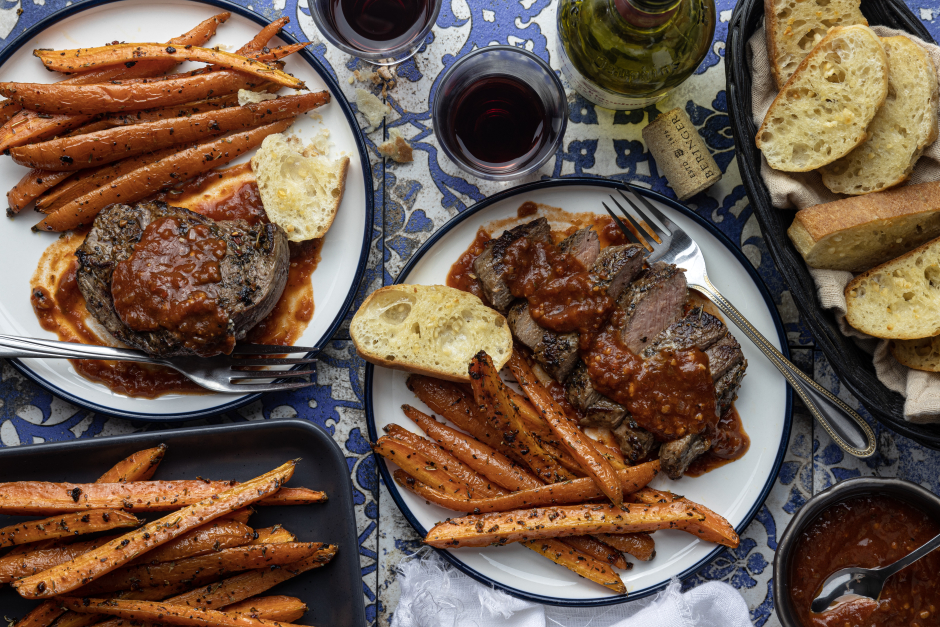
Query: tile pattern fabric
{"points": [[413, 200]]}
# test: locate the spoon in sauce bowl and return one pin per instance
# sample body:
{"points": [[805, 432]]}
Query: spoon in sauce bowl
{"points": [[865, 582]]}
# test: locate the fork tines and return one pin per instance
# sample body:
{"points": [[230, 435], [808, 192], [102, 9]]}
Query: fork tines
{"points": [[642, 230]]}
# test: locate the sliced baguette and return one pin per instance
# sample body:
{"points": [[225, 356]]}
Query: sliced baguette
{"points": [[822, 112], [795, 26], [898, 300], [856, 234], [432, 330], [923, 354], [300, 192], [902, 128]]}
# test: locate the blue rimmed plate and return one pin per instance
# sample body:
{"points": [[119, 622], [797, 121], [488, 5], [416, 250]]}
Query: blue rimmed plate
{"points": [[736, 491], [345, 248]]}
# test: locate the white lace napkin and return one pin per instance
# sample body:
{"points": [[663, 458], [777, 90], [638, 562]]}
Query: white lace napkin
{"points": [[921, 390], [434, 594]]}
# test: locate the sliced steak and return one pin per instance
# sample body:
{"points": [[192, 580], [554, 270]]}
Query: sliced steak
{"points": [[490, 269], [556, 352], [635, 442], [675, 456], [650, 304], [616, 266], [597, 410], [726, 387], [696, 329], [252, 273], [722, 355], [583, 245]]}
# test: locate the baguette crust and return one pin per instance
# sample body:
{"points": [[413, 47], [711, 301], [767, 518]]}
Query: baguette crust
{"points": [[832, 113], [861, 232]]}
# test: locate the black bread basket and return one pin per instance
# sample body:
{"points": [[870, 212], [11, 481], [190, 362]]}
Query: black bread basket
{"points": [[854, 366]]}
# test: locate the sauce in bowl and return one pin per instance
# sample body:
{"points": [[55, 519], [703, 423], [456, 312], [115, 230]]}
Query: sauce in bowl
{"points": [[870, 532]]}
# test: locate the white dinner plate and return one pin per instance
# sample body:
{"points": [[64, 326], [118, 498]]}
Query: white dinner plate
{"points": [[736, 490], [345, 247]]}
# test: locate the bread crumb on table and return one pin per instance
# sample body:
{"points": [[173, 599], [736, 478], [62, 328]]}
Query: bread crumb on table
{"points": [[396, 148]]}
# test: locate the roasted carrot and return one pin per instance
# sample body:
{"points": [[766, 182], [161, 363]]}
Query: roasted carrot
{"points": [[278, 607], [218, 535], [27, 126], [60, 99], [572, 438], [41, 616], [714, 528], [138, 467], [102, 560], [93, 149], [490, 395], [445, 461], [33, 184], [553, 522], [272, 535], [295, 496], [162, 612], [587, 567], [82, 59], [419, 466], [482, 458], [266, 34], [149, 179], [565, 493], [599, 550], [168, 113], [66, 526], [206, 567], [639, 545], [77, 619]]}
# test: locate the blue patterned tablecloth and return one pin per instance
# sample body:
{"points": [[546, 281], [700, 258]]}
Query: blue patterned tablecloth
{"points": [[414, 199]]}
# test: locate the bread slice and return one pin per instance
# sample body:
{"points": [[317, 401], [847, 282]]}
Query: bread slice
{"points": [[923, 354], [822, 112], [898, 300], [795, 26], [856, 234], [902, 128], [300, 192], [429, 329]]}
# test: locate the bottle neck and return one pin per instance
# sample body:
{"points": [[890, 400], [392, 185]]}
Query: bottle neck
{"points": [[646, 13]]}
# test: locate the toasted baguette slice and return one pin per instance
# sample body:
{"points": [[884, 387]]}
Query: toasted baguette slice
{"points": [[300, 193], [822, 112], [902, 128], [923, 354], [795, 26], [898, 300], [429, 329], [856, 234]]}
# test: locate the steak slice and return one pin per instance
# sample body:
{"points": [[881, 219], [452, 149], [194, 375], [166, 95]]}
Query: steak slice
{"points": [[635, 442], [616, 266], [650, 304], [583, 245], [675, 456], [596, 409], [253, 272], [722, 355], [726, 387], [556, 352], [488, 265], [696, 329]]}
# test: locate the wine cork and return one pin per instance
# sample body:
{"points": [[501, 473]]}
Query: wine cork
{"points": [[681, 154]]}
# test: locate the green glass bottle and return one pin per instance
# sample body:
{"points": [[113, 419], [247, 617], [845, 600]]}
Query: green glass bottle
{"points": [[626, 54]]}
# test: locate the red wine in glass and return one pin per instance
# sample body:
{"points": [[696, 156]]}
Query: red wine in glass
{"points": [[377, 25], [498, 123]]}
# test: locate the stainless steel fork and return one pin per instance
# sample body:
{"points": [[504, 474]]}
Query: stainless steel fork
{"points": [[670, 244], [218, 374]]}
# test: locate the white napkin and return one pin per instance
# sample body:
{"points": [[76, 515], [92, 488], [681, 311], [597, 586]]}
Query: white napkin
{"points": [[434, 594]]}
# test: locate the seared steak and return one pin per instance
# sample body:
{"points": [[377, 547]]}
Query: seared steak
{"points": [[650, 304], [726, 387], [490, 269], [722, 355], [696, 329], [583, 245], [556, 352], [635, 442], [597, 410], [675, 456], [616, 266], [252, 272]]}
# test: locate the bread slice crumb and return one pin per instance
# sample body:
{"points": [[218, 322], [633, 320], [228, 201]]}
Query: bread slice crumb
{"points": [[373, 109], [396, 148]]}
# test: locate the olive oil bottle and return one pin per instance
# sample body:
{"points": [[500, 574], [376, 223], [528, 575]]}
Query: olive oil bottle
{"points": [[626, 54]]}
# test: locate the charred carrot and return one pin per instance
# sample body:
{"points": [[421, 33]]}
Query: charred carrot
{"points": [[32, 186], [66, 526]]}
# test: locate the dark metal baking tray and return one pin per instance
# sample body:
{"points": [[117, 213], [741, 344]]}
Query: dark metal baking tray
{"points": [[333, 593], [854, 366]]}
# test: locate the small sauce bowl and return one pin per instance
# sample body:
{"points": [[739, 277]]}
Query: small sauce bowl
{"points": [[898, 489]]}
